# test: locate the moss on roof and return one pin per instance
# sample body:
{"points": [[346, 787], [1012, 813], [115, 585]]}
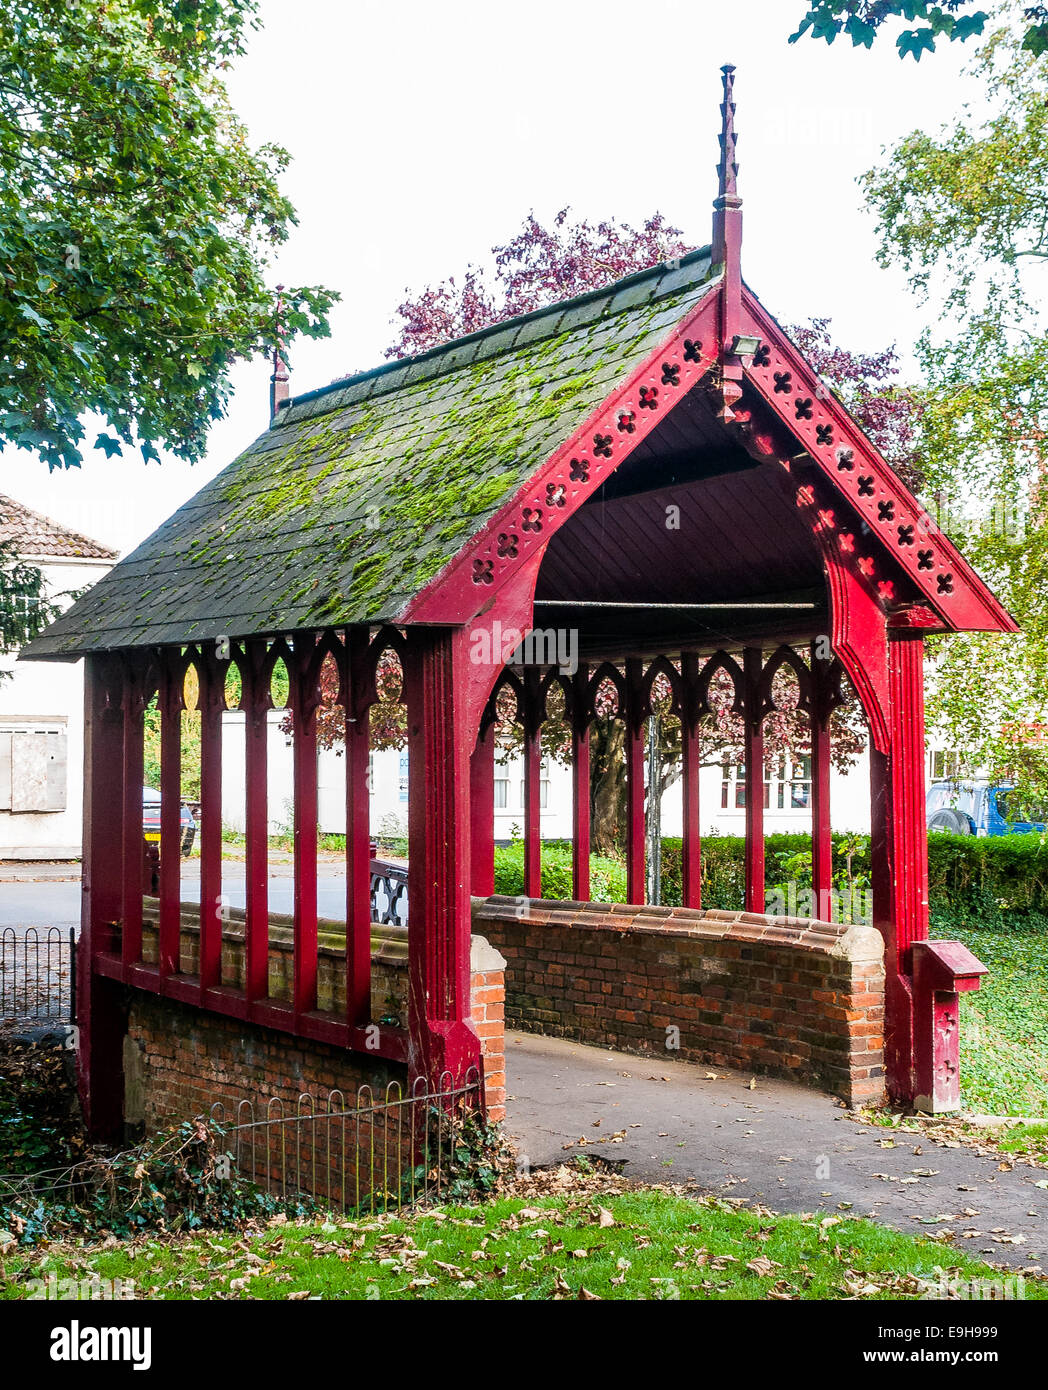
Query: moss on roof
{"points": [[360, 492]]}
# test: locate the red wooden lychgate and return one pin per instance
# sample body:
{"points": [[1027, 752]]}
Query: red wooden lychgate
{"points": [[821, 564]]}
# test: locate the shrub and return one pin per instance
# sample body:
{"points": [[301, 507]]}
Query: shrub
{"points": [[994, 880]]}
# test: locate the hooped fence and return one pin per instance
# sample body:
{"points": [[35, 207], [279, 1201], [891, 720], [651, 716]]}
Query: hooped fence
{"points": [[376, 1154], [37, 975]]}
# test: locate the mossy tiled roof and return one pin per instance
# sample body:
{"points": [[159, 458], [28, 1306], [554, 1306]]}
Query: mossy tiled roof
{"points": [[360, 492]]}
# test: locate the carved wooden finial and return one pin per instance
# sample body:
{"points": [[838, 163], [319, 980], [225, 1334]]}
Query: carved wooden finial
{"points": [[728, 169]]}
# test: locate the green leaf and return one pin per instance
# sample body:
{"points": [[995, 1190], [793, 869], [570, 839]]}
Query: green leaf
{"points": [[28, 312], [109, 444], [915, 42], [1036, 39]]}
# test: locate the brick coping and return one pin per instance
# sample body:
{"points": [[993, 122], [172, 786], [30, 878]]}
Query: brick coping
{"points": [[854, 943]]}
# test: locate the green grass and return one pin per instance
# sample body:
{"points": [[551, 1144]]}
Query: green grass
{"points": [[641, 1244], [1029, 1140], [1004, 1025]]}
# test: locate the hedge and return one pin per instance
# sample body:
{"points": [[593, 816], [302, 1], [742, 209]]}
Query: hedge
{"points": [[993, 879]]}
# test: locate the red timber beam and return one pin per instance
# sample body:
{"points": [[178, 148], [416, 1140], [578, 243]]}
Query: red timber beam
{"points": [[357, 666], [482, 808], [824, 687], [580, 711], [899, 850], [172, 668], [211, 675], [137, 690], [255, 675], [691, 771], [532, 717], [753, 759], [440, 737], [101, 1010], [304, 701], [634, 715]]}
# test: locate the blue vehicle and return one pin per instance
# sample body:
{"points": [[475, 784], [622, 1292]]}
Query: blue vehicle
{"points": [[980, 808]]}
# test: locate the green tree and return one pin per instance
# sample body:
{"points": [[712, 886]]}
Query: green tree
{"points": [[964, 213], [861, 20], [136, 223], [136, 226]]}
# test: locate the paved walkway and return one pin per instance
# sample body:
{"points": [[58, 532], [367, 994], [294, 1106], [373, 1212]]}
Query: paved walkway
{"points": [[780, 1144]]}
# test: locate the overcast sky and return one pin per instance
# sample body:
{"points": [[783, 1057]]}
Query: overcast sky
{"points": [[422, 134]]}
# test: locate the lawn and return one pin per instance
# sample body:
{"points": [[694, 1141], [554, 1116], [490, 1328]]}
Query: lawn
{"points": [[1004, 1026], [602, 1242]]}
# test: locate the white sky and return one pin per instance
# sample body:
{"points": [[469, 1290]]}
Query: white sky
{"points": [[422, 134]]}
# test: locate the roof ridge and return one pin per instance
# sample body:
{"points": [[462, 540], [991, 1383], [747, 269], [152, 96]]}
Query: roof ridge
{"points": [[455, 352], [57, 529]]}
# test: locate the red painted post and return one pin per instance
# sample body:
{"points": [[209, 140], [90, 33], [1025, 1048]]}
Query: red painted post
{"points": [[305, 698], [821, 835], [255, 702], [754, 763], [171, 703], [941, 970], [101, 1014], [439, 743], [636, 887], [532, 785], [211, 703], [691, 771], [899, 851], [134, 702], [580, 786], [357, 696], [482, 811]]}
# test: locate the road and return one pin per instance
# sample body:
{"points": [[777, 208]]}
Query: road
{"points": [[57, 903]]}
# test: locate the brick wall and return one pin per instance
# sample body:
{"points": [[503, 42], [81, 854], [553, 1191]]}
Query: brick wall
{"points": [[179, 1059], [783, 996]]}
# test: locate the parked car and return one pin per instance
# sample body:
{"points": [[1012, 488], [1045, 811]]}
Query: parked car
{"points": [[980, 808], [151, 820]]}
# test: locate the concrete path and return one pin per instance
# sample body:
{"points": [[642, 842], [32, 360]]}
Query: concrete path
{"points": [[782, 1145]]}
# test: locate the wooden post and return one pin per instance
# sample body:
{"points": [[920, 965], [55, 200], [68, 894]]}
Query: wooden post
{"points": [[821, 835], [357, 696], [304, 700], [580, 786], [691, 770], [170, 698], [532, 784], [439, 743], [754, 763], [899, 851], [482, 810], [212, 704], [255, 702], [636, 887], [133, 757], [101, 1013]]}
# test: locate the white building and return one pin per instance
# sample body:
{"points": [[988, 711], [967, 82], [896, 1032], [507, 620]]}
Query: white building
{"points": [[42, 703], [722, 793]]}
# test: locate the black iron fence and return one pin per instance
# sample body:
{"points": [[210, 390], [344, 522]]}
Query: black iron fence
{"points": [[361, 1153], [37, 975]]}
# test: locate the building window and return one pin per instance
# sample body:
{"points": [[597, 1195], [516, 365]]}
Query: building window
{"points": [[787, 786], [33, 765], [733, 788], [501, 793], [944, 766]]}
